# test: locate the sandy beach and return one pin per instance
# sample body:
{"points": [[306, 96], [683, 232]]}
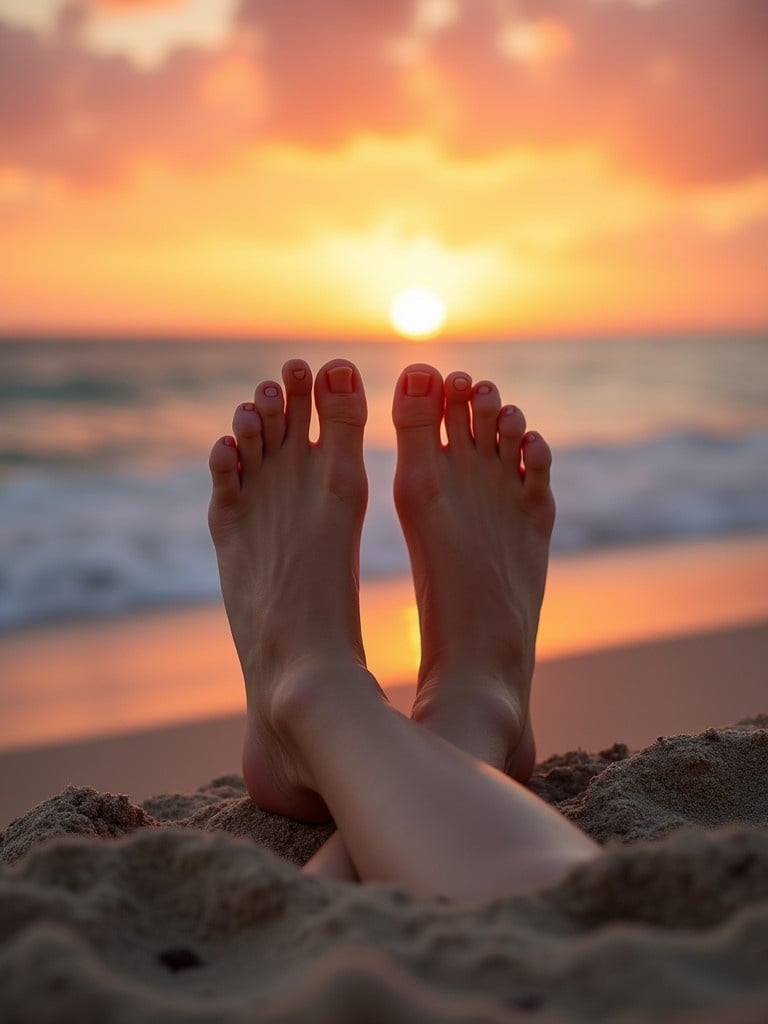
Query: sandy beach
{"points": [[190, 908]]}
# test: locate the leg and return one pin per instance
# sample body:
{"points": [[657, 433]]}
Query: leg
{"points": [[477, 655], [411, 807]]}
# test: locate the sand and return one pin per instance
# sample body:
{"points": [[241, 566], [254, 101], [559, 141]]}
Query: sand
{"points": [[190, 908]]}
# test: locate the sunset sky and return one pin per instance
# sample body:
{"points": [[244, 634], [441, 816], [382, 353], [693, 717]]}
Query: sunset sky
{"points": [[286, 167]]}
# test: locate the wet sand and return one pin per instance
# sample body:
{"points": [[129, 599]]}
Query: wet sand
{"points": [[630, 694], [155, 669]]}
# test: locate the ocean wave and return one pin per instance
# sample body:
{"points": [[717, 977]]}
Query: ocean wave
{"points": [[85, 545]]}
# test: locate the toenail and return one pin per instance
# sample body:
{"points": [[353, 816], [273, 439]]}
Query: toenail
{"points": [[271, 392], [417, 383], [531, 436], [249, 407], [509, 410], [484, 389], [299, 373], [340, 379], [461, 383], [229, 442]]}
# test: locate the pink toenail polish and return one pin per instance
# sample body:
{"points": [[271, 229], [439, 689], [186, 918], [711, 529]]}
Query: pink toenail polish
{"points": [[461, 383], [271, 392], [299, 374], [509, 410], [417, 383], [229, 442], [484, 389], [249, 407], [531, 436], [340, 379]]}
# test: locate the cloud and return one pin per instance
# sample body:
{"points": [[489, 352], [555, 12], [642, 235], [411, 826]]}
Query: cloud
{"points": [[676, 90], [673, 90], [66, 111]]}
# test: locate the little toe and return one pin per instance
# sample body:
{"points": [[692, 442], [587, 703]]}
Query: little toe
{"points": [[417, 411], [537, 460], [486, 404], [511, 429], [458, 390], [246, 424], [225, 475], [297, 378], [341, 407], [271, 408]]}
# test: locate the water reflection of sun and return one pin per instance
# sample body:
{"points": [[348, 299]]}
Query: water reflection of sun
{"points": [[417, 313]]}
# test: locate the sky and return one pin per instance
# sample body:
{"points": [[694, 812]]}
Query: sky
{"points": [[271, 168]]}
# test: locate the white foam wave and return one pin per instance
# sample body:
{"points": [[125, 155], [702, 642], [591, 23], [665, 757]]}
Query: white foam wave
{"points": [[90, 545]]}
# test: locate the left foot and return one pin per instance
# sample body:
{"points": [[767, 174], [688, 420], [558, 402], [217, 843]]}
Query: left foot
{"points": [[286, 517]]}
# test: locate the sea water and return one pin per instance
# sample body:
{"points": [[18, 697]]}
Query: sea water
{"points": [[104, 444]]}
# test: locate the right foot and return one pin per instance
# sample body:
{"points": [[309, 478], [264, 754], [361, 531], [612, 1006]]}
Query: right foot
{"points": [[477, 516], [286, 517]]}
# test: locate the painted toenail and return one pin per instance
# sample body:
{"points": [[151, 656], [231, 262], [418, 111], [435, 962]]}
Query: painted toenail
{"points": [[509, 410], [531, 436], [484, 389], [461, 383], [271, 392], [299, 374], [249, 407], [417, 383], [340, 379], [229, 442]]}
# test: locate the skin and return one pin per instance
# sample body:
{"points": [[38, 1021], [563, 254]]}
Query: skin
{"points": [[430, 802]]}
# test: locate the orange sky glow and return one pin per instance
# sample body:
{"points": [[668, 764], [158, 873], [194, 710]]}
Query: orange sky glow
{"points": [[273, 168]]}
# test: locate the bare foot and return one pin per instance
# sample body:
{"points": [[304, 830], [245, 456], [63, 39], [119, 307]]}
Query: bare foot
{"points": [[477, 516], [286, 517]]}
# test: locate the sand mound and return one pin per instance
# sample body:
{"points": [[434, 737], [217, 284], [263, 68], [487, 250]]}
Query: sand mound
{"points": [[713, 779], [182, 916]]}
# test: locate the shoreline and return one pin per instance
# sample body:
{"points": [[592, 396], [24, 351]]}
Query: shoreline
{"points": [[66, 682]]}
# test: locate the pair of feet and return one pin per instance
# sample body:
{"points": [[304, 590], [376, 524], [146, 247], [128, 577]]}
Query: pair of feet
{"points": [[286, 517]]}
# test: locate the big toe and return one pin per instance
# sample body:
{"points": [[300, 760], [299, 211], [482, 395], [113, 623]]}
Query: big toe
{"points": [[341, 407], [417, 411]]}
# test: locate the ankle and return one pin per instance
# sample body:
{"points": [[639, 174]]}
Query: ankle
{"points": [[314, 694], [491, 726]]}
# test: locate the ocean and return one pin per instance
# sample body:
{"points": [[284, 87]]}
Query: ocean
{"points": [[104, 444]]}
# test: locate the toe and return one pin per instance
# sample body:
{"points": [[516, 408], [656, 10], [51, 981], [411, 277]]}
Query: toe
{"points": [[225, 475], [485, 413], [297, 378], [417, 411], [537, 460], [511, 428], [458, 389], [341, 407], [246, 424], [271, 408]]}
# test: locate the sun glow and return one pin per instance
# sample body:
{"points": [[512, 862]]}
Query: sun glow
{"points": [[417, 313]]}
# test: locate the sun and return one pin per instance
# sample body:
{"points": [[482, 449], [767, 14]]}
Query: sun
{"points": [[417, 313]]}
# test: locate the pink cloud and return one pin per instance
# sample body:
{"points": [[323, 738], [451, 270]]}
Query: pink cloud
{"points": [[675, 90], [66, 110]]}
